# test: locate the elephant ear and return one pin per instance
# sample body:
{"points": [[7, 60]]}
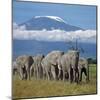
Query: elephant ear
{"points": [[30, 60]]}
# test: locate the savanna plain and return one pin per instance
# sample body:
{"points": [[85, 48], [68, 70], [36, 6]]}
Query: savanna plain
{"points": [[44, 88]]}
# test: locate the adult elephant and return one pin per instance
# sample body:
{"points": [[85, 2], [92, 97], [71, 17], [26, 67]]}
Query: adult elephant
{"points": [[69, 64], [50, 66], [24, 63], [83, 68], [36, 68]]}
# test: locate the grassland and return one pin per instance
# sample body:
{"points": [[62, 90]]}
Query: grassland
{"points": [[44, 88]]}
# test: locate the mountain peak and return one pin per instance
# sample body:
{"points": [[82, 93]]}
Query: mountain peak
{"points": [[52, 17]]}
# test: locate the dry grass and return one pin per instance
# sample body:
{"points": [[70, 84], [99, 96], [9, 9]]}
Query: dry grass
{"points": [[43, 88]]}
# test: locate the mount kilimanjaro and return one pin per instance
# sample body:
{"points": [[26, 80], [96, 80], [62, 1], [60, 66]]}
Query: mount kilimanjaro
{"points": [[48, 23]]}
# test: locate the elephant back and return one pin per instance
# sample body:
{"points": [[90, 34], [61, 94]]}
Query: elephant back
{"points": [[53, 56]]}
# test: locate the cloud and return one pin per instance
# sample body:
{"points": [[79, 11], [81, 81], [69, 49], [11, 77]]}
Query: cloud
{"points": [[20, 33]]}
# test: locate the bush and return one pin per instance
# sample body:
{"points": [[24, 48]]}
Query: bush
{"points": [[92, 61]]}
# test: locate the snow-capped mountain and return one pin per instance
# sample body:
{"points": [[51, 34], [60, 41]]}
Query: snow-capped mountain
{"points": [[48, 23]]}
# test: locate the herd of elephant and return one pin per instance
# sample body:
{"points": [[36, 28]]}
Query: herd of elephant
{"points": [[56, 65]]}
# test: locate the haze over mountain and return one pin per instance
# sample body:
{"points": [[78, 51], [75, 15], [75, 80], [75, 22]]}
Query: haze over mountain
{"points": [[48, 23]]}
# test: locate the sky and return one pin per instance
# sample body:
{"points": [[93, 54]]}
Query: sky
{"points": [[77, 15]]}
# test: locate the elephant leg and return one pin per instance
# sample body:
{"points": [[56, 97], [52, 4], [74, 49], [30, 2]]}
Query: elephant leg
{"points": [[67, 76], [47, 74], [31, 71], [21, 73], [77, 77], [41, 73], [63, 75], [74, 75], [59, 75], [36, 73], [85, 73], [28, 73], [71, 75], [59, 72], [80, 74], [44, 74], [53, 72], [25, 75], [70, 71]]}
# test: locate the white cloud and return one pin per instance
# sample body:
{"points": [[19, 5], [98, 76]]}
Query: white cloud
{"points": [[21, 33]]}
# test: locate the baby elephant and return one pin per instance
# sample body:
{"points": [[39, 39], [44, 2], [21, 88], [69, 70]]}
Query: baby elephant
{"points": [[83, 68]]}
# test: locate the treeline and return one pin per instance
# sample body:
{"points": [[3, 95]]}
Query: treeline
{"points": [[92, 61]]}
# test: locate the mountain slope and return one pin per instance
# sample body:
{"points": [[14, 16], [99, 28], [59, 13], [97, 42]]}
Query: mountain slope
{"points": [[48, 23]]}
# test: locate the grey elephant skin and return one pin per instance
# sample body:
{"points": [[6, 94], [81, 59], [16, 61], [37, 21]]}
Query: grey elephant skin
{"points": [[36, 68], [50, 66], [68, 63], [83, 67], [14, 68], [24, 63]]}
